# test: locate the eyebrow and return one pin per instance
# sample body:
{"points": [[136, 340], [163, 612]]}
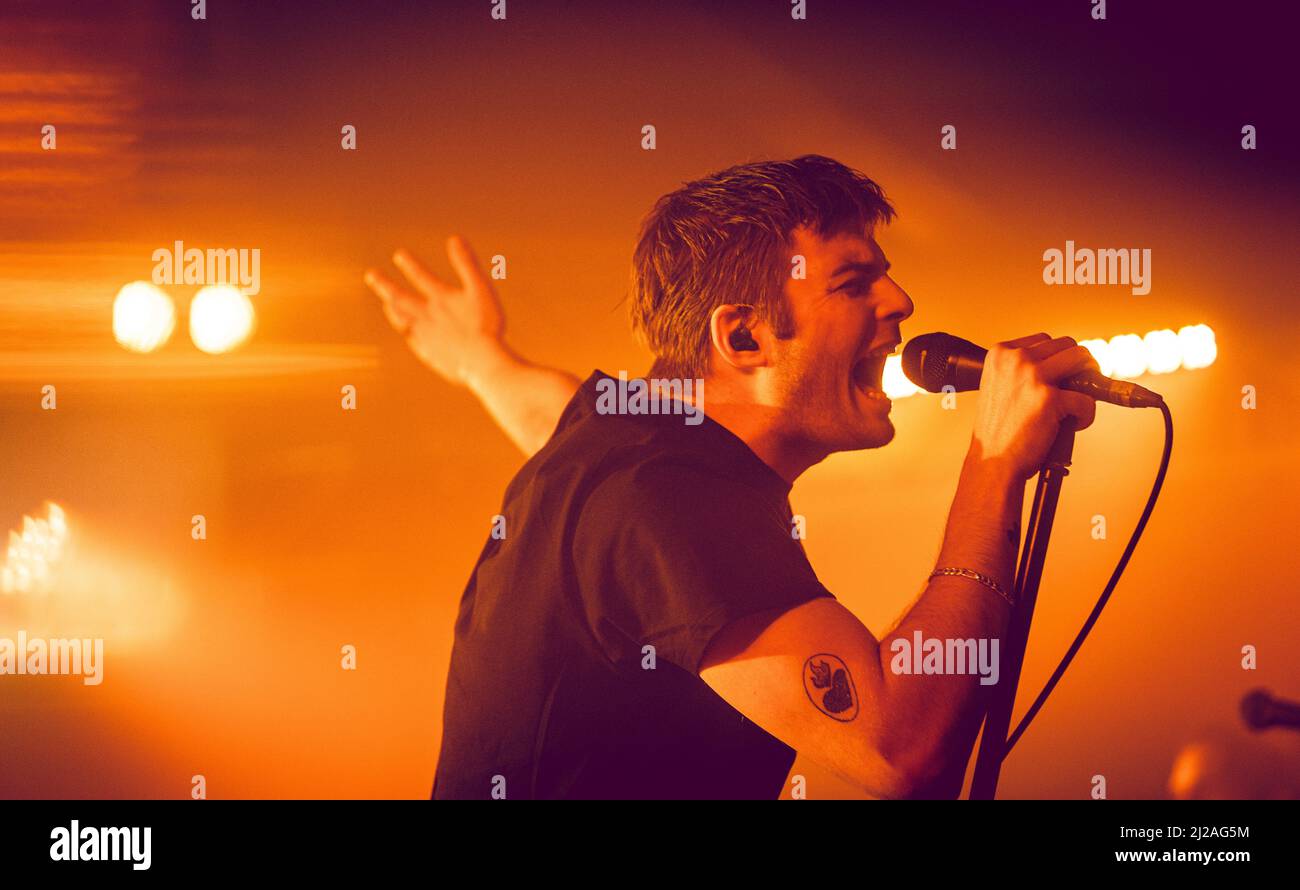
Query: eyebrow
{"points": [[875, 267]]}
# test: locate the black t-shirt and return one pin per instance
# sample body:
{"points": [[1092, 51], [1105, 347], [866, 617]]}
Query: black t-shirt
{"points": [[625, 531]]}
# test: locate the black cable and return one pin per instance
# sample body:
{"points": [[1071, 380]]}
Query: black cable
{"points": [[1105, 594]]}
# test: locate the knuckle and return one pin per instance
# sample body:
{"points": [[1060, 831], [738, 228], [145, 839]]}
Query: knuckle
{"points": [[1037, 398]]}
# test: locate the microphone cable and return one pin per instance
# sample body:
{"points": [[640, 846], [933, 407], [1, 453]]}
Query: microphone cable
{"points": [[1105, 594]]}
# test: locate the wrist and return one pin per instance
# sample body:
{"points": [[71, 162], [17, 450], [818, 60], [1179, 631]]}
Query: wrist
{"points": [[991, 475], [488, 366]]}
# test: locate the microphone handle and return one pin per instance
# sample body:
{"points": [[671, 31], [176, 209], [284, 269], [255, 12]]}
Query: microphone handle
{"points": [[1117, 392], [965, 372]]}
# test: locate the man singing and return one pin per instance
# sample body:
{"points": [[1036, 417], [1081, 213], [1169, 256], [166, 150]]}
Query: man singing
{"points": [[649, 626]]}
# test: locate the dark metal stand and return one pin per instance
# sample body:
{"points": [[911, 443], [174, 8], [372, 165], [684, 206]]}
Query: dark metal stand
{"points": [[1033, 554]]}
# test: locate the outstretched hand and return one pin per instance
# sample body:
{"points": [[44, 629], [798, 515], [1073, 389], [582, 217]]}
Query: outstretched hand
{"points": [[456, 330]]}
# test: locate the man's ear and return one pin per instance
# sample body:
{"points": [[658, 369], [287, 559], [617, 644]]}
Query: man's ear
{"points": [[738, 337]]}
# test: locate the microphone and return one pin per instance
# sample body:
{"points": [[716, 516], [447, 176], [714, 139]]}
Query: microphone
{"points": [[1261, 710], [935, 361]]}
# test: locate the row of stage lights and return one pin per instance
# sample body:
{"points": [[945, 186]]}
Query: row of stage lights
{"points": [[1124, 357], [144, 317], [222, 317]]}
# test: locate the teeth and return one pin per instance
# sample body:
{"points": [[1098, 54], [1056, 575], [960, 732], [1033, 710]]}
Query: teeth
{"points": [[868, 371]]}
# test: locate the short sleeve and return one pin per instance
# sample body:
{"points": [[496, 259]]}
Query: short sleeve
{"points": [[667, 555]]}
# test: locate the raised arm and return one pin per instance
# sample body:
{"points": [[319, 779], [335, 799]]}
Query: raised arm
{"points": [[895, 733], [458, 331]]}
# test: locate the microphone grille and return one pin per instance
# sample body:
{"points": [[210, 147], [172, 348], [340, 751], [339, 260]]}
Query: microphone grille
{"points": [[925, 360]]}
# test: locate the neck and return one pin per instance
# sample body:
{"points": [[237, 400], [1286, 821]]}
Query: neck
{"points": [[761, 426]]}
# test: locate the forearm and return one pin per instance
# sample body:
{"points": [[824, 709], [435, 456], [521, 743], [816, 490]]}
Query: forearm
{"points": [[526, 400], [934, 718]]}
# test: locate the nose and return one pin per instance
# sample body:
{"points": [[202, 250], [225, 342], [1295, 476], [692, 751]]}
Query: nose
{"points": [[895, 305]]}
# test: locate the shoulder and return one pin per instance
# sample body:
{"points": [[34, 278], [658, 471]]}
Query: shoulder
{"points": [[677, 500], [644, 474]]}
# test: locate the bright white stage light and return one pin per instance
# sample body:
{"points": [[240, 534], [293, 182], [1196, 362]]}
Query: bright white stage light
{"points": [[894, 381], [1100, 350], [1198, 346], [221, 318], [1127, 356], [1163, 351], [143, 317]]}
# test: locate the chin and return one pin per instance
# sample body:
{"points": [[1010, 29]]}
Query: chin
{"points": [[876, 435], [880, 437]]}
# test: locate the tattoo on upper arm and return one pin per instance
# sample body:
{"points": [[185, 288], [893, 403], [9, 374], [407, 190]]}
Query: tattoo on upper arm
{"points": [[830, 687]]}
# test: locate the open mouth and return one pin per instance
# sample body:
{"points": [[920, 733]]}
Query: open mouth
{"points": [[869, 372]]}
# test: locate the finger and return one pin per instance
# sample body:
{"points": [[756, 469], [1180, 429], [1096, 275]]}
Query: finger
{"points": [[400, 306], [465, 263], [390, 292], [1021, 342], [1041, 350], [1066, 363], [419, 275], [1083, 409]]}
